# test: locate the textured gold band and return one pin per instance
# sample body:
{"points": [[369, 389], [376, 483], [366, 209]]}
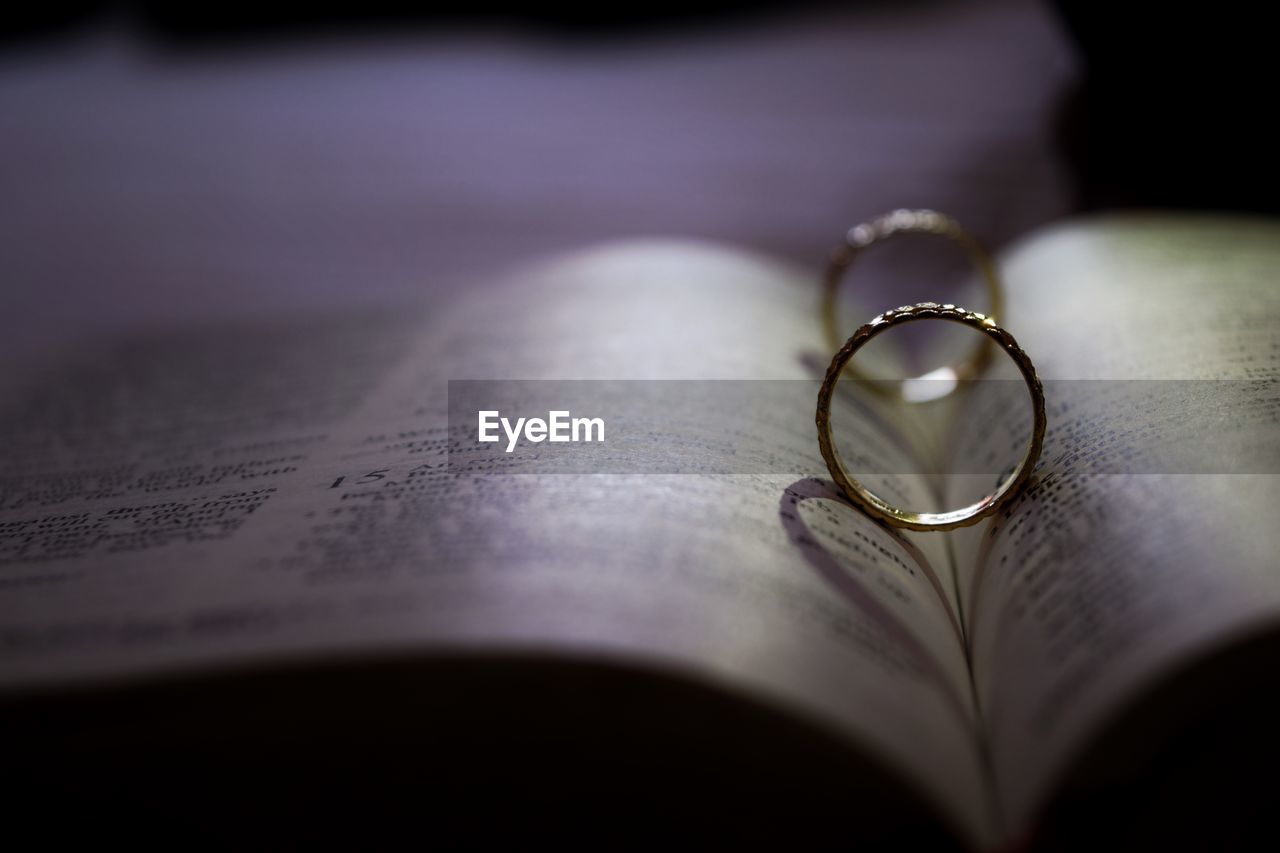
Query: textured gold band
{"points": [[926, 520], [882, 228]]}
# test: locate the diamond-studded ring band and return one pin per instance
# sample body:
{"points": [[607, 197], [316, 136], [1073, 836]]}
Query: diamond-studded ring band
{"points": [[882, 228], [950, 520]]}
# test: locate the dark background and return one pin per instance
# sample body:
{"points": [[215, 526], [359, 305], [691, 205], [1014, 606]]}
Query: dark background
{"points": [[163, 162], [1171, 109]]}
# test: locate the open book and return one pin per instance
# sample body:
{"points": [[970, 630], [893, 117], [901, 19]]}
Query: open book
{"points": [[254, 542]]}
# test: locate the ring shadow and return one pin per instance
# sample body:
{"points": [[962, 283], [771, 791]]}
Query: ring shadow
{"points": [[854, 592]]}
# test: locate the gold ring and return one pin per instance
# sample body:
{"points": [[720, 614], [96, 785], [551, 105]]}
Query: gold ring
{"points": [[883, 227], [874, 505]]}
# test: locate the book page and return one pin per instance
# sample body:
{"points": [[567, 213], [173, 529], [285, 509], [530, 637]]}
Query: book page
{"points": [[204, 499], [1147, 536]]}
